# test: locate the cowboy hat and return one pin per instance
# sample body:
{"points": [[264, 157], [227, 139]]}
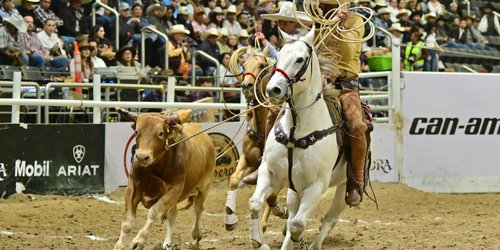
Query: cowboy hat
{"points": [[17, 21], [218, 10], [403, 12], [210, 32], [223, 32], [183, 10], [231, 9], [335, 1], [397, 27], [120, 52], [178, 28], [155, 6], [288, 12], [383, 11], [381, 3], [243, 34], [430, 15]]}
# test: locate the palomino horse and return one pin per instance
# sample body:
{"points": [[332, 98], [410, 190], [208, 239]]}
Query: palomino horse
{"points": [[302, 150], [260, 120]]}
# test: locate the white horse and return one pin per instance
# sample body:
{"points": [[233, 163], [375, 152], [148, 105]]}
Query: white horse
{"points": [[302, 149]]}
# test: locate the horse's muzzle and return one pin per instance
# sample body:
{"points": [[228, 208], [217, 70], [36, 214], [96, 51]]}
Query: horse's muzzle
{"points": [[276, 93]]}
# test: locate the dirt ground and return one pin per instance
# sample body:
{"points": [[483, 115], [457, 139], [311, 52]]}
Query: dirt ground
{"points": [[406, 219]]}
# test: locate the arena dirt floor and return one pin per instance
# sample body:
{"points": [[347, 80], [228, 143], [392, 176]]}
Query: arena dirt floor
{"points": [[406, 219]]}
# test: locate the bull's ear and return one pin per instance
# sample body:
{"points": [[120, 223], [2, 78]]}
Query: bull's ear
{"points": [[131, 116], [184, 115]]}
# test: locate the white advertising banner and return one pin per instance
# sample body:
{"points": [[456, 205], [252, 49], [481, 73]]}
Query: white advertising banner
{"points": [[451, 132], [120, 147], [383, 164]]}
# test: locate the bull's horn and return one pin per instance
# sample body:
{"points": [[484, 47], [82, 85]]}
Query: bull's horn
{"points": [[127, 114], [179, 117]]}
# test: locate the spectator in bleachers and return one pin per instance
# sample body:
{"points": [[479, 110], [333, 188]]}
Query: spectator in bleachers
{"points": [[97, 34], [404, 20], [50, 40], [263, 7], [12, 49], [464, 36], [430, 19], [126, 29], [43, 12], [126, 58], [28, 8], [106, 53], [210, 47], [490, 24], [271, 32], [179, 53], [169, 17], [155, 14], [231, 24], [415, 53], [243, 39], [209, 6], [86, 63], [216, 18], [246, 22], [225, 78], [434, 6], [473, 25], [431, 62], [379, 4], [396, 30], [249, 6], [232, 42], [416, 17], [31, 41], [73, 21], [383, 20], [441, 31], [411, 5], [452, 13], [393, 9], [96, 61], [102, 17], [7, 9], [222, 42], [198, 24], [137, 20], [183, 18], [486, 68]]}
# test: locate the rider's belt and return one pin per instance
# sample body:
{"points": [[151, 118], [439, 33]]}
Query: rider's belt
{"points": [[347, 83]]}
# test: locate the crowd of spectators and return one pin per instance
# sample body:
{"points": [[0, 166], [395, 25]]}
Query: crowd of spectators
{"points": [[42, 32]]}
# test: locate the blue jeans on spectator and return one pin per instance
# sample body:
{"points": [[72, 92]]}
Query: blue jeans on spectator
{"points": [[452, 44], [36, 60], [210, 71], [58, 62], [431, 64]]}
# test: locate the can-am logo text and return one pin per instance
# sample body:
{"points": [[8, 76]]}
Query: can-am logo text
{"points": [[451, 126], [78, 153]]}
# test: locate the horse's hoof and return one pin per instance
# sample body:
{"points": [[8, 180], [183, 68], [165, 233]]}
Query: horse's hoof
{"points": [[231, 221], [119, 247], [260, 246], [136, 246], [231, 227]]}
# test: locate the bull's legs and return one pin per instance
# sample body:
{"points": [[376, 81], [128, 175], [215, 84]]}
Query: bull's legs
{"points": [[171, 215], [293, 202], [198, 210], [332, 216], [131, 202], [231, 220], [263, 190], [156, 213]]}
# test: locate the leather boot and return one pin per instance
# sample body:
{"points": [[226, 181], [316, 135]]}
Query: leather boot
{"points": [[356, 129]]}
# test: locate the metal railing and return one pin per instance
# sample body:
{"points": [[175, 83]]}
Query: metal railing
{"points": [[145, 30], [106, 86], [38, 96], [210, 58], [467, 2], [117, 20]]}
